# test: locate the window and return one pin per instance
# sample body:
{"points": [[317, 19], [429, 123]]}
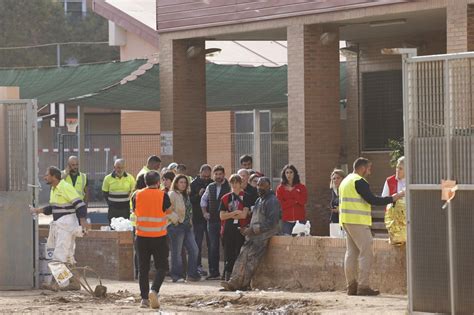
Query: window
{"points": [[382, 108]]}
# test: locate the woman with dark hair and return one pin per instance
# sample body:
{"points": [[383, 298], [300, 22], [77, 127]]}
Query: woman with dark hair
{"points": [[292, 195], [180, 231]]}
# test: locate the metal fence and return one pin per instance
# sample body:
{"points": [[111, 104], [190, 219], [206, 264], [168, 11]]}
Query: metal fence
{"points": [[100, 152], [273, 152], [18, 246], [439, 135]]}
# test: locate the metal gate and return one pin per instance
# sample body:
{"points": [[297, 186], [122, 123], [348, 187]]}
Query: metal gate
{"points": [[18, 173], [439, 144]]}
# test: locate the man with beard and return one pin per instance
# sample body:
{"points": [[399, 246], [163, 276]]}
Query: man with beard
{"points": [[198, 187], [263, 225], [75, 178], [68, 211], [210, 202]]}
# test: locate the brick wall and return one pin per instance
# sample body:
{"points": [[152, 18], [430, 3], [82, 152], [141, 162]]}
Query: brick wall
{"points": [[317, 264], [220, 144], [220, 126], [183, 100], [313, 115], [109, 253]]}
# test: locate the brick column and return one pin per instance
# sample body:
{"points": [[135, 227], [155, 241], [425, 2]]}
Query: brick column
{"points": [[183, 100], [313, 115], [460, 26]]}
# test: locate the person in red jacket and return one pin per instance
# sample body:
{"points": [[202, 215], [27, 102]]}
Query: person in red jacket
{"points": [[292, 195]]}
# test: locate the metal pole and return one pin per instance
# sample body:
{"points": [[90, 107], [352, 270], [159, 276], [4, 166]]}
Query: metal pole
{"points": [[447, 113], [256, 140], [80, 136], [406, 132], [58, 55]]}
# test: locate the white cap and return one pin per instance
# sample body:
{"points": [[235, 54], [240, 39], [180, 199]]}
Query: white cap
{"points": [[172, 166]]}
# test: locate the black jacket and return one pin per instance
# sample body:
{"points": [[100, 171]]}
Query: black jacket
{"points": [[196, 185]]}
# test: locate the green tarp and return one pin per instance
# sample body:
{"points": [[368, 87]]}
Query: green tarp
{"points": [[229, 87]]}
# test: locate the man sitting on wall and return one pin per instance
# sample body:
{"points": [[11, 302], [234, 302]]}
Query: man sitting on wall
{"points": [[264, 224]]}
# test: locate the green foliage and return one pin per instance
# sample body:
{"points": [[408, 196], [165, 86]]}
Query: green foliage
{"points": [[36, 22], [397, 150]]}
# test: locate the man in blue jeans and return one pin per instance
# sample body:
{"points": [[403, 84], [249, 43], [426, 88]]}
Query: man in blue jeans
{"points": [[210, 201]]}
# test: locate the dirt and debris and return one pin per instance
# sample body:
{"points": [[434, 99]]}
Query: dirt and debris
{"points": [[198, 298]]}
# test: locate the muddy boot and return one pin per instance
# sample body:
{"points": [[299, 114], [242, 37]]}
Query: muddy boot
{"points": [[227, 286], [53, 286], [352, 288], [74, 284], [367, 292]]}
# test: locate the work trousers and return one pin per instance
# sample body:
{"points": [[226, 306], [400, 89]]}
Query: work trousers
{"points": [[200, 232], [214, 230], [247, 262], [232, 240], [359, 254], [158, 248], [119, 211]]}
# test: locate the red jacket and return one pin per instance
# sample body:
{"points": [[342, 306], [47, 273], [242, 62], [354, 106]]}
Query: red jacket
{"points": [[292, 202]]}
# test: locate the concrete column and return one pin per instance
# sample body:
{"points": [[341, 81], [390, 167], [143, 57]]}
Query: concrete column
{"points": [[460, 26], [313, 114], [183, 101]]}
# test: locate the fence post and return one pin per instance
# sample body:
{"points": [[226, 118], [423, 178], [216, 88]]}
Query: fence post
{"points": [[256, 140]]}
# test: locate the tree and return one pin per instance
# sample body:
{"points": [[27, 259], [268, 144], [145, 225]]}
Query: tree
{"points": [[37, 22]]}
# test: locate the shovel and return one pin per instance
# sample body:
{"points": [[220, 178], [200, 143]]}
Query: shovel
{"points": [[100, 290]]}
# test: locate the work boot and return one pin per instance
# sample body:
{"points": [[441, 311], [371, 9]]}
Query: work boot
{"points": [[367, 292], [227, 286], [74, 285], [154, 301], [145, 303], [352, 288]]}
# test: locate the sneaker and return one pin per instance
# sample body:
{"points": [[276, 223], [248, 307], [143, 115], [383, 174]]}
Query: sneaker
{"points": [[352, 288], [213, 277], [153, 297], [145, 303], [180, 280], [202, 273], [194, 279], [367, 292]]}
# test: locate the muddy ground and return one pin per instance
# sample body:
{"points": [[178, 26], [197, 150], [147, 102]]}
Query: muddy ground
{"points": [[198, 298]]}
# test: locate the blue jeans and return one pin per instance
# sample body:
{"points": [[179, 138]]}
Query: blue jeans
{"points": [[179, 235], [287, 227], [214, 230], [200, 230]]}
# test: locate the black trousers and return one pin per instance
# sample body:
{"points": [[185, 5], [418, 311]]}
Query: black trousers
{"points": [[117, 211], [232, 241], [146, 247]]}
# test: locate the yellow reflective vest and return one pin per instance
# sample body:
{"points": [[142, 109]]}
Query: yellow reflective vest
{"points": [[353, 209], [81, 182], [64, 200], [119, 189]]}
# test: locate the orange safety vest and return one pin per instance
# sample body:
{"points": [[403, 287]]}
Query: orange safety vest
{"points": [[151, 219]]}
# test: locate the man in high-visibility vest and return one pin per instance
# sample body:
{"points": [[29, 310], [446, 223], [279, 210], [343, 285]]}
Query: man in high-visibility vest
{"points": [[355, 200], [151, 207], [117, 188], [153, 163], [74, 177], [66, 207]]}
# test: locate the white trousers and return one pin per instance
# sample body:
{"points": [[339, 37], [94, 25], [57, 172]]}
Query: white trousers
{"points": [[62, 237]]}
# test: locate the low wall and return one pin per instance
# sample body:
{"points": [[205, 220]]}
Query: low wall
{"points": [[110, 253], [317, 264]]}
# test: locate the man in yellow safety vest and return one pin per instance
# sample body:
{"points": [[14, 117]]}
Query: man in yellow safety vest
{"points": [[355, 200], [75, 178]]}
